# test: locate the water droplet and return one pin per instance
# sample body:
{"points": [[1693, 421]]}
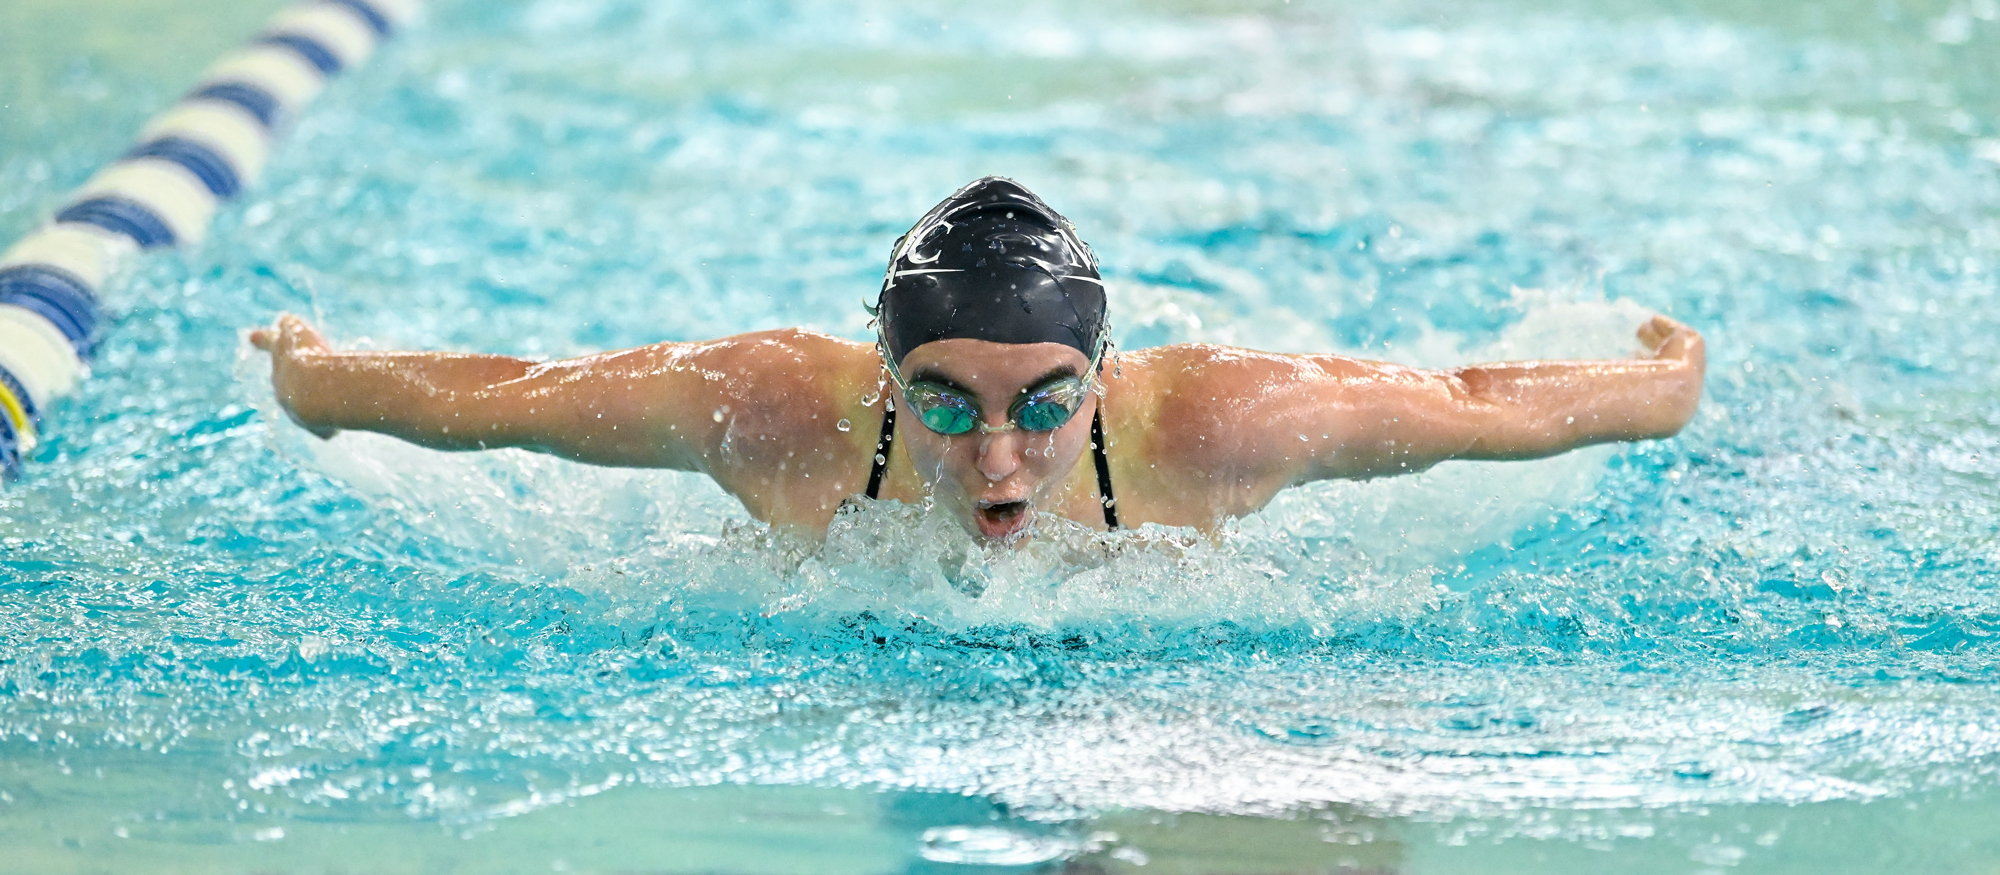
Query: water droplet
{"points": [[844, 425], [879, 460], [1304, 438], [719, 413]]}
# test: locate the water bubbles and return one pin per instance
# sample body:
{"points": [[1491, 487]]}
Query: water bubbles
{"points": [[1393, 644], [992, 846]]}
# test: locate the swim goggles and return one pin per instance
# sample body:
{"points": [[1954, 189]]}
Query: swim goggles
{"points": [[1044, 407]]}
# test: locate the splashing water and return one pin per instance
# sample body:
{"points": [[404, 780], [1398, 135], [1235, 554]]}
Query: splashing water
{"points": [[1697, 645]]}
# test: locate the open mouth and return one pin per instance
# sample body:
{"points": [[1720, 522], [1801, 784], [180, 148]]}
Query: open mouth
{"points": [[1001, 518]]}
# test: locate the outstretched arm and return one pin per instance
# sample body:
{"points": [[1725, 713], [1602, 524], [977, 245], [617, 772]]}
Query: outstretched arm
{"points": [[1527, 410], [669, 405], [1410, 419], [1262, 422]]}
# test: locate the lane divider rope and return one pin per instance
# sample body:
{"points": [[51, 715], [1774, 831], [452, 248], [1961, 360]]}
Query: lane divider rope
{"points": [[206, 149]]}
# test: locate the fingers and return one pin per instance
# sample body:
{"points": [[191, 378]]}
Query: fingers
{"points": [[288, 335], [304, 336], [286, 340], [1656, 331], [1666, 339]]}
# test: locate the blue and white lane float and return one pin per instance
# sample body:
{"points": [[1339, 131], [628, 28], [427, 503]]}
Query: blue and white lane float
{"points": [[205, 150]]}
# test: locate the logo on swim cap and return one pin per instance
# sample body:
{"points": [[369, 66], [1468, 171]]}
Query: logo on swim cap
{"points": [[991, 262]]}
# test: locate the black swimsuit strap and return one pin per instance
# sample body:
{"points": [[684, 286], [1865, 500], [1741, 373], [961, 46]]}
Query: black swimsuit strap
{"points": [[1103, 469], [882, 446], [888, 441]]}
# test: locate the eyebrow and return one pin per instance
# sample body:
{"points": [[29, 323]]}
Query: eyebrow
{"points": [[930, 374], [1056, 373]]}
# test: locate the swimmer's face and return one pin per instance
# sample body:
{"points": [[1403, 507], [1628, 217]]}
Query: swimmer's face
{"points": [[994, 483]]}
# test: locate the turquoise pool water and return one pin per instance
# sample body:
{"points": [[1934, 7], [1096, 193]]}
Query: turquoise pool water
{"points": [[1767, 645]]}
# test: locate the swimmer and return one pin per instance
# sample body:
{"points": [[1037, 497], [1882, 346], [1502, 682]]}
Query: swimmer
{"points": [[992, 391]]}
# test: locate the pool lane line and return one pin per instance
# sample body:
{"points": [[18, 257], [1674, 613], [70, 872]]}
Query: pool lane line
{"points": [[162, 192]]}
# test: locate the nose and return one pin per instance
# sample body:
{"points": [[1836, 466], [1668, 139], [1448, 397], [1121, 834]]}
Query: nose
{"points": [[999, 455]]}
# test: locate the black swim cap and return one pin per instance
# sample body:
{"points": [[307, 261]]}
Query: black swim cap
{"points": [[992, 262]]}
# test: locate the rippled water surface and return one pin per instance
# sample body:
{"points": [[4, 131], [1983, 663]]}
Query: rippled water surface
{"points": [[1767, 643]]}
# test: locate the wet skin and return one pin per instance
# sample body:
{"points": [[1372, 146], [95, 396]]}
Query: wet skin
{"points": [[787, 420], [996, 481]]}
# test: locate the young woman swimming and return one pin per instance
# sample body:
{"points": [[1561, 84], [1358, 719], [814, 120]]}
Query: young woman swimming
{"points": [[991, 379]]}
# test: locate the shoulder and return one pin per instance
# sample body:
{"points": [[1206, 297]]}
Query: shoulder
{"points": [[1182, 367], [1174, 422], [788, 384], [1212, 385], [758, 369], [789, 419], [1209, 431], [772, 353]]}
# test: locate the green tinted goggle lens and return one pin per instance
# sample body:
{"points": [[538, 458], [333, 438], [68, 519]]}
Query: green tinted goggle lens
{"points": [[1043, 415], [949, 420], [950, 413]]}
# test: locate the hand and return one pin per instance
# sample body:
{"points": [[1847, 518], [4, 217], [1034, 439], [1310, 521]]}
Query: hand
{"points": [[1668, 341], [292, 344], [1680, 347]]}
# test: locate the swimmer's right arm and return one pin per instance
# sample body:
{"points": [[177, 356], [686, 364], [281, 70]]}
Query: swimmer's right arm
{"points": [[669, 405], [446, 401]]}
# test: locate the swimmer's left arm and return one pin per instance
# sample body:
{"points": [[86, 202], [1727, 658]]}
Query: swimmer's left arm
{"points": [[1413, 419], [1250, 424]]}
